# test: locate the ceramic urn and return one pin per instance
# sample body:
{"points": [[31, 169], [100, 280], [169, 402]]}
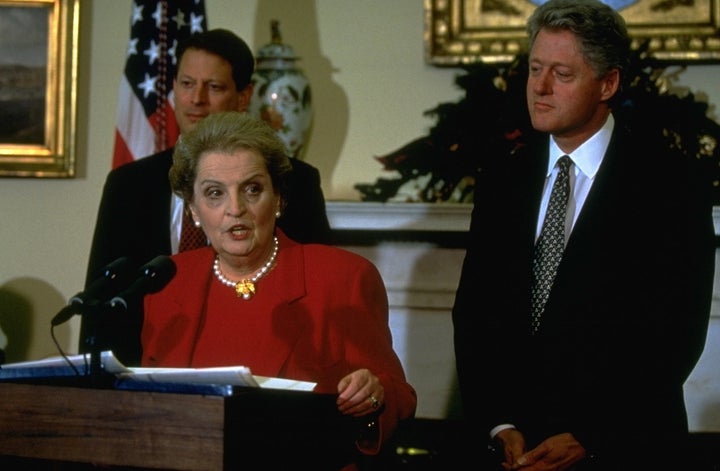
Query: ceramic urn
{"points": [[281, 95]]}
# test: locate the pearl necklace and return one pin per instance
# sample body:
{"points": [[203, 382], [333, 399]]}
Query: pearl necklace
{"points": [[246, 287]]}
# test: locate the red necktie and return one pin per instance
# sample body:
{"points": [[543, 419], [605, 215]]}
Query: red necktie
{"points": [[191, 237]]}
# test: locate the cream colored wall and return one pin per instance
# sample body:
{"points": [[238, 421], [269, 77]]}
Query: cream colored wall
{"points": [[371, 85]]}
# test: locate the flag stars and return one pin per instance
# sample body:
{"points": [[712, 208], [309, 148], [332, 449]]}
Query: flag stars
{"points": [[179, 20], [136, 13], [132, 47], [148, 85], [171, 51], [158, 15], [153, 52], [196, 23]]}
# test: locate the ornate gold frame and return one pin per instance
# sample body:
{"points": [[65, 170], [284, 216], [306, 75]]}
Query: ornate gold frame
{"points": [[466, 31], [51, 155]]}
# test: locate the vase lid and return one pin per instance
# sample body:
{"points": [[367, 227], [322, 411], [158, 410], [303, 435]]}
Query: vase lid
{"points": [[276, 49]]}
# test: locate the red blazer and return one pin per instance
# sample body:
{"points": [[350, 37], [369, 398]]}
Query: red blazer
{"points": [[320, 314]]}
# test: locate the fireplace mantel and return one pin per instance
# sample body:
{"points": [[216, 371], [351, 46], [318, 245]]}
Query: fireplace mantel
{"points": [[363, 223], [444, 217], [422, 217], [419, 249]]}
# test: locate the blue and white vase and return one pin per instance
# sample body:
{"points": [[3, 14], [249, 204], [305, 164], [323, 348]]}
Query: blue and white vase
{"points": [[281, 95]]}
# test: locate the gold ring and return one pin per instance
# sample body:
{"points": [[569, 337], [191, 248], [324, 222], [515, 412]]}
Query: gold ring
{"points": [[374, 401]]}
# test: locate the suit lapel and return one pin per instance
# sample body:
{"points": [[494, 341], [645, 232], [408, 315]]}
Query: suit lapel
{"points": [[604, 199]]}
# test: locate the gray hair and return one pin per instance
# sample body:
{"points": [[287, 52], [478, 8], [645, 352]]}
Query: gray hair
{"points": [[227, 132], [601, 31]]}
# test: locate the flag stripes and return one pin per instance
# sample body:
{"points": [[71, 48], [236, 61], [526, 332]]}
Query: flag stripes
{"points": [[145, 116]]}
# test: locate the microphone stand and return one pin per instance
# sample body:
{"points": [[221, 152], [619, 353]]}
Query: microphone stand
{"points": [[93, 315]]}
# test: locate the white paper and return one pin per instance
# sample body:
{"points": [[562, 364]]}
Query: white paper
{"points": [[225, 375]]}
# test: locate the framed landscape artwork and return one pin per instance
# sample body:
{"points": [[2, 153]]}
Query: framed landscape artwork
{"points": [[38, 87], [466, 31]]}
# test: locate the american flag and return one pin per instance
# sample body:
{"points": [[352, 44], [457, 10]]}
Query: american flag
{"points": [[145, 121]]}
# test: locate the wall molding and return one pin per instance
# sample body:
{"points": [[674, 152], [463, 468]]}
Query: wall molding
{"points": [[410, 217]]}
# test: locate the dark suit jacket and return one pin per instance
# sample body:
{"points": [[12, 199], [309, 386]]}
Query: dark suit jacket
{"points": [[134, 221], [627, 316]]}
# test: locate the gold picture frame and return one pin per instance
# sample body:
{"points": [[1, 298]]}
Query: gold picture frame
{"points": [[461, 32], [38, 87]]}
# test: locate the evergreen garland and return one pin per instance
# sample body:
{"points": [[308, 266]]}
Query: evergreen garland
{"points": [[493, 117]]}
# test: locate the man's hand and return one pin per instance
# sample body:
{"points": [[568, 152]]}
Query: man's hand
{"points": [[513, 445], [557, 453]]}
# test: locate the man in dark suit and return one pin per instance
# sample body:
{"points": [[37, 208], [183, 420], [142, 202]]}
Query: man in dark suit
{"points": [[140, 218], [599, 383]]}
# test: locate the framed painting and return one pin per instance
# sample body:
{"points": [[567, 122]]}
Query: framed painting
{"points": [[38, 87], [466, 31]]}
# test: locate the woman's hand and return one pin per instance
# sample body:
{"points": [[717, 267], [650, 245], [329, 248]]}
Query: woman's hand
{"points": [[360, 393]]}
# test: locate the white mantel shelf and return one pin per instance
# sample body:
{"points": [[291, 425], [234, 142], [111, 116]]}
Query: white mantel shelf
{"points": [[436, 217], [441, 217]]}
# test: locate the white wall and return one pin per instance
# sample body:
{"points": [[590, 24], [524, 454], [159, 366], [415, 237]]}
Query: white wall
{"points": [[371, 86]]}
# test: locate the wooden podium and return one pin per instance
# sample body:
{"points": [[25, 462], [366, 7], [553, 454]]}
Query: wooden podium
{"points": [[87, 427]]}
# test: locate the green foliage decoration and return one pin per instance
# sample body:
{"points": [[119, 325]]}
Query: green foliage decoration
{"points": [[492, 119]]}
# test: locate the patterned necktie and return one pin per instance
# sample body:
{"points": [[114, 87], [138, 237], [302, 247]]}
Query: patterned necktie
{"points": [[549, 247], [191, 237]]}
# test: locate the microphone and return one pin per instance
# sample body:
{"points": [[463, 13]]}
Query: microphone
{"points": [[153, 277], [114, 277]]}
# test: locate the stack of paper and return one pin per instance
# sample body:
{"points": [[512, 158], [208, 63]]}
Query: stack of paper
{"points": [[222, 375]]}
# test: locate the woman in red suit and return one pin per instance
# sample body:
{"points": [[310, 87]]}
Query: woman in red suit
{"points": [[255, 297]]}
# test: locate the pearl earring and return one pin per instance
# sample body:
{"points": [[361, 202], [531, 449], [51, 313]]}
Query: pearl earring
{"points": [[197, 223]]}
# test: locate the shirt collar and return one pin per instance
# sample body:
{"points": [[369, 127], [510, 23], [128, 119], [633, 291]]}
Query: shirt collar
{"points": [[588, 157]]}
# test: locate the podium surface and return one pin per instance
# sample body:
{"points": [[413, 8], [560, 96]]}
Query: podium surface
{"points": [[172, 431]]}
